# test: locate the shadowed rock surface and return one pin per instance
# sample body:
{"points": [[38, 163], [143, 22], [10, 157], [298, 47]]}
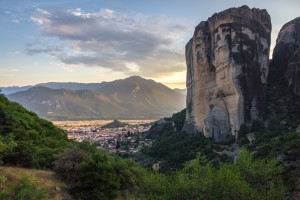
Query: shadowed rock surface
{"points": [[227, 64], [286, 56]]}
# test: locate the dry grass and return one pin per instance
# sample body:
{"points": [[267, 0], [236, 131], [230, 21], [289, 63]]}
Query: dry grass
{"points": [[43, 179]]}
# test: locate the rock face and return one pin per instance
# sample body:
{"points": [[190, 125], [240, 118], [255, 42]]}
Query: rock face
{"points": [[227, 63], [286, 56]]}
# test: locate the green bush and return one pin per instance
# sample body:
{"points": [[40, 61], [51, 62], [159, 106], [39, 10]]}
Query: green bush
{"points": [[248, 179], [103, 176], [97, 179], [175, 148]]}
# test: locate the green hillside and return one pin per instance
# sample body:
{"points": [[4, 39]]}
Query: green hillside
{"points": [[27, 140]]}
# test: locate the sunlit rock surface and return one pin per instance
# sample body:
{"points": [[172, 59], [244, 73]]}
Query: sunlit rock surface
{"points": [[227, 63]]}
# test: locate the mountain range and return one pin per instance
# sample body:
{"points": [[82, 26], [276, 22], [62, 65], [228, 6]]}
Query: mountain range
{"points": [[55, 85], [130, 98]]}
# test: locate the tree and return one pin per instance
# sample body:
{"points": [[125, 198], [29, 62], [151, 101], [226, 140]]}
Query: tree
{"points": [[118, 145], [97, 179], [67, 164]]}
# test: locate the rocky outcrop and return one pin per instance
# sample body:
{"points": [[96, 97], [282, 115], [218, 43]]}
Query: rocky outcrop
{"points": [[227, 64], [286, 56]]}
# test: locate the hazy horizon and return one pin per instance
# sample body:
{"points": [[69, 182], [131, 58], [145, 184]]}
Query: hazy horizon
{"points": [[90, 41], [86, 82]]}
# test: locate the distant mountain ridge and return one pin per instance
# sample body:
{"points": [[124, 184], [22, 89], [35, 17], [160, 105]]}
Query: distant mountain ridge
{"points": [[55, 85], [181, 91], [130, 98]]}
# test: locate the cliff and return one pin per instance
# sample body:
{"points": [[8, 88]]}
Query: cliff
{"points": [[285, 66], [227, 64]]}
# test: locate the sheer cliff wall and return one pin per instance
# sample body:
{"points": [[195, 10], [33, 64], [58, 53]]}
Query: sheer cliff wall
{"points": [[227, 63]]}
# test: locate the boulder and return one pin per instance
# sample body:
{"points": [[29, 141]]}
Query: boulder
{"points": [[251, 137]]}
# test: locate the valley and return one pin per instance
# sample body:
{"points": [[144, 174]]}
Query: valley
{"points": [[112, 112], [126, 139]]}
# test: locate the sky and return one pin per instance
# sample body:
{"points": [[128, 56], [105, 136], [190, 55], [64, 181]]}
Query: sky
{"points": [[92, 41]]}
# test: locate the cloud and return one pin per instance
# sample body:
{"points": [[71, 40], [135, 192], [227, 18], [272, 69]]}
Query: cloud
{"points": [[17, 52], [132, 44], [32, 49], [14, 70], [8, 72], [68, 69], [15, 21]]}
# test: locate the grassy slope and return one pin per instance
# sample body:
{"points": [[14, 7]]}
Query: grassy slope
{"points": [[41, 178]]}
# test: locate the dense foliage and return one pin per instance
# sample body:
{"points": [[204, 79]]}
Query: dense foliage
{"points": [[175, 148], [247, 179], [27, 140], [97, 175], [178, 119], [108, 177]]}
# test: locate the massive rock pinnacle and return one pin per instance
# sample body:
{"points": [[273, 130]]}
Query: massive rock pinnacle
{"points": [[227, 64], [286, 56]]}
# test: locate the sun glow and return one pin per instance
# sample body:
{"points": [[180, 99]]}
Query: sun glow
{"points": [[174, 80]]}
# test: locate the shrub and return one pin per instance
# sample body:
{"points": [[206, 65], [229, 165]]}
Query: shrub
{"points": [[67, 164], [97, 179]]}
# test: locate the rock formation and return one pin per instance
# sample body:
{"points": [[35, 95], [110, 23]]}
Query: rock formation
{"points": [[227, 64], [286, 56]]}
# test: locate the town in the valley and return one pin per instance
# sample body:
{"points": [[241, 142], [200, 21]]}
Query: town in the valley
{"points": [[126, 139]]}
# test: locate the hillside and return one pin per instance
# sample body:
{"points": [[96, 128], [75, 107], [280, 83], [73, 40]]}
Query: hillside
{"points": [[131, 98], [27, 140], [42, 182]]}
